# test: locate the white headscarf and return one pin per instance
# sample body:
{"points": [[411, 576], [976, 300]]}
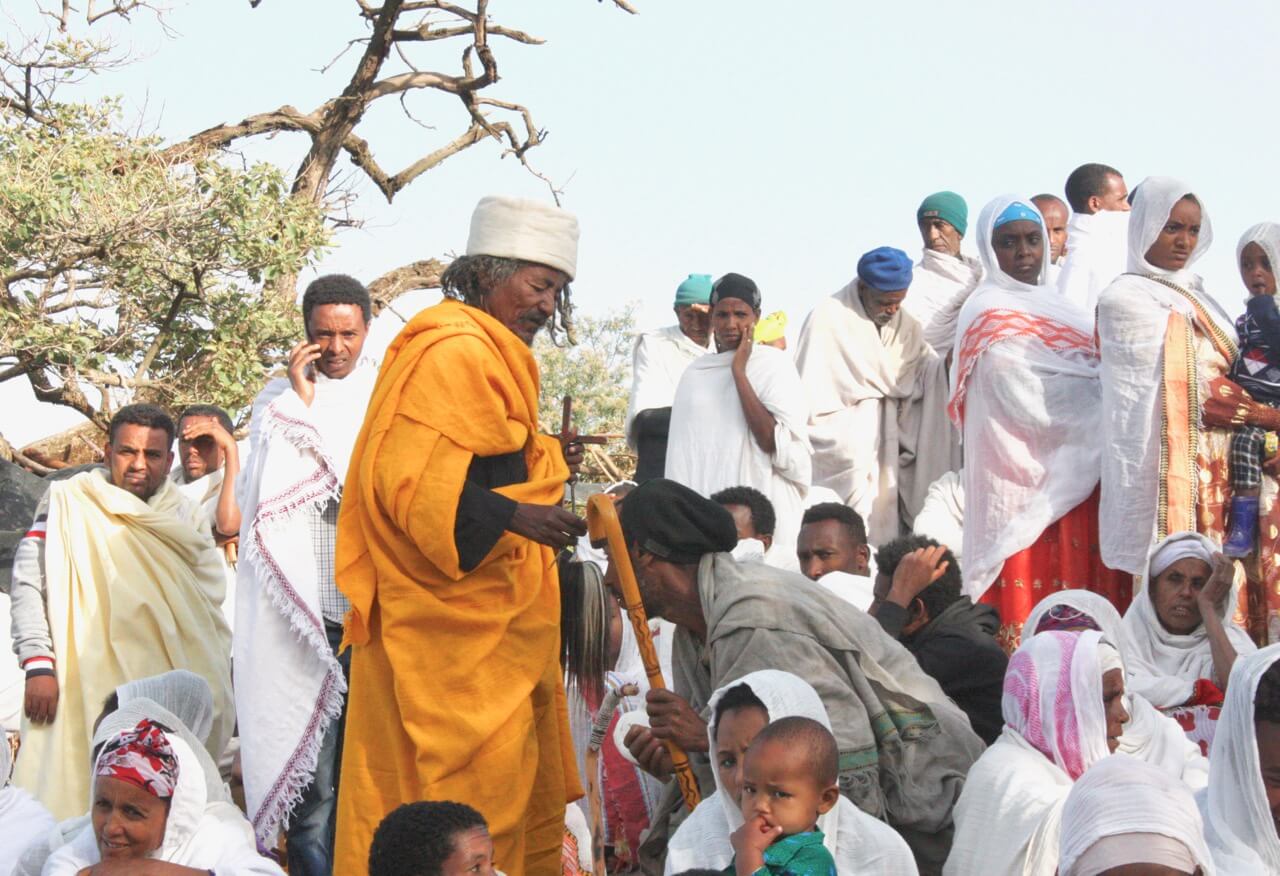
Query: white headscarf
{"points": [[1124, 795], [1149, 735], [1164, 666], [1153, 199], [1238, 822], [516, 228], [858, 842], [183, 693]]}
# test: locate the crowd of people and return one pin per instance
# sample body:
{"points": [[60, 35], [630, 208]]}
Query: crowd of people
{"points": [[980, 578]]}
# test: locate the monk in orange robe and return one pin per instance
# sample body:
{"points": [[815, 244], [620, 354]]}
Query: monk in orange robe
{"points": [[446, 548]]}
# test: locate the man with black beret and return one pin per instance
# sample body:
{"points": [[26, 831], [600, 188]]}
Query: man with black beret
{"points": [[904, 747]]}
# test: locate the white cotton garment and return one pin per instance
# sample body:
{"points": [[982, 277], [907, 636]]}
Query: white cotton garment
{"points": [[519, 228], [1165, 666], [206, 492], [940, 285], [877, 410], [1150, 735], [857, 590], [1133, 313], [1124, 795], [710, 447], [23, 819], [1097, 253], [1238, 824], [183, 693], [858, 842], [942, 517], [1025, 393], [657, 364]]}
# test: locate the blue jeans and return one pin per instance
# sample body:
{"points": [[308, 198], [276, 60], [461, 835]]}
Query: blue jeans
{"points": [[309, 838]]}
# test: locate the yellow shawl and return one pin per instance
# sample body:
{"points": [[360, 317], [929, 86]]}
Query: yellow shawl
{"points": [[132, 589], [455, 689]]}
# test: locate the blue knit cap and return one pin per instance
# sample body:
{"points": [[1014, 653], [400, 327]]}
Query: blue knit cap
{"points": [[1017, 212], [695, 290], [947, 206], [885, 269]]}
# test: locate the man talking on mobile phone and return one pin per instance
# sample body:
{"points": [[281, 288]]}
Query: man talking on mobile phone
{"points": [[290, 685]]}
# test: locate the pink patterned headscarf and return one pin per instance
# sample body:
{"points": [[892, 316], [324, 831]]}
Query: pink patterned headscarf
{"points": [[1053, 698], [142, 757]]}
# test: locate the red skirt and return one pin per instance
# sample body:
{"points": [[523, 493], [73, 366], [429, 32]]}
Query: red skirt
{"points": [[1064, 557]]}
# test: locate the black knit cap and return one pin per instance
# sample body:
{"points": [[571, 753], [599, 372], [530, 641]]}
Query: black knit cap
{"points": [[673, 522], [736, 286]]}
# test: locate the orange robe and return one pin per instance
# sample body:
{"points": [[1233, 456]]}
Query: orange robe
{"points": [[456, 690]]}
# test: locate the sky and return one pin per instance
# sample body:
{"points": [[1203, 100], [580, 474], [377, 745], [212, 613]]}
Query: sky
{"points": [[776, 140]]}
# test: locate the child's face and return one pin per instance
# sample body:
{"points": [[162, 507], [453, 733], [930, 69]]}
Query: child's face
{"points": [[779, 786], [472, 854], [734, 733], [1257, 271]]}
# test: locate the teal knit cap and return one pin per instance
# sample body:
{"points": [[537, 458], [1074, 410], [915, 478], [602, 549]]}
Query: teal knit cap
{"points": [[947, 206], [695, 290]]}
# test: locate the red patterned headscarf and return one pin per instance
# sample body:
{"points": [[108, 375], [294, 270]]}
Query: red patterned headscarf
{"points": [[142, 757]]}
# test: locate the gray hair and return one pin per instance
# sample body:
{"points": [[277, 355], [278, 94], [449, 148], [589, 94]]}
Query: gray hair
{"points": [[470, 278]]}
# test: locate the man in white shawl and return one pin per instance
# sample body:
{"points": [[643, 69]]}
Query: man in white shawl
{"points": [[1097, 235], [877, 410], [657, 364], [1026, 396], [1124, 811], [858, 842], [1183, 640], [118, 578], [290, 686], [944, 277], [1241, 806], [208, 465], [739, 416], [1063, 712]]}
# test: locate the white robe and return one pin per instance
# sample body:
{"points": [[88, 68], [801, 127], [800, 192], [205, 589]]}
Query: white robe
{"points": [[710, 447], [942, 517], [877, 411], [1025, 392], [657, 364], [858, 842], [940, 284], [205, 492], [1097, 247]]}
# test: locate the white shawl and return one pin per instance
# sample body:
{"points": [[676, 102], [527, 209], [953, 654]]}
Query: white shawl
{"points": [[288, 685], [942, 517], [199, 833], [1025, 394], [1238, 824], [1124, 795], [1009, 814], [1097, 250], [1133, 313], [183, 693], [858, 842], [1150, 735], [940, 285], [877, 415], [22, 816], [657, 365], [204, 492], [710, 447], [1163, 666]]}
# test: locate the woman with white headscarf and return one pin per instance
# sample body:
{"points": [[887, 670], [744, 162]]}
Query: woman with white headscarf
{"points": [[1124, 811], [1164, 341], [22, 818], [1149, 735], [153, 769], [1181, 637], [858, 842], [1026, 397], [1063, 711], [1241, 815], [183, 693]]}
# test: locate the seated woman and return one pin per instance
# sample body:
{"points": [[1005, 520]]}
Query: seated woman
{"points": [[1063, 712], [1240, 808], [1123, 814], [1149, 735], [151, 806], [21, 815], [1182, 638], [858, 842]]}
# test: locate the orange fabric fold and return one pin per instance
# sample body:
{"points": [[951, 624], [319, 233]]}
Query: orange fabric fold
{"points": [[1177, 449], [456, 690]]}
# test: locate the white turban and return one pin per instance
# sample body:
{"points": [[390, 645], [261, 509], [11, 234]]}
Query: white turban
{"points": [[1122, 796], [1179, 546], [516, 228]]}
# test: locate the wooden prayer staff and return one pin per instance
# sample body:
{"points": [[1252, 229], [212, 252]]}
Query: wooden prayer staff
{"points": [[603, 524]]}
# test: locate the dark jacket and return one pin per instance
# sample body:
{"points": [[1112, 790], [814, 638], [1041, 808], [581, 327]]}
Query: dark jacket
{"points": [[1257, 368], [958, 648]]}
